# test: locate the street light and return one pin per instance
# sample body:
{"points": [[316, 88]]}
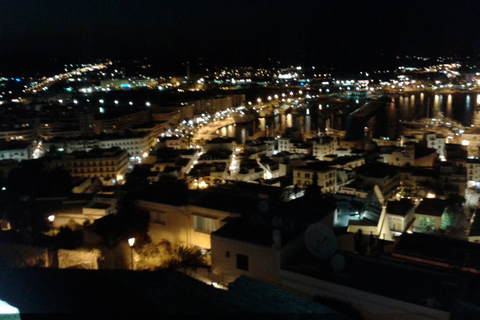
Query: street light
{"points": [[131, 242]]}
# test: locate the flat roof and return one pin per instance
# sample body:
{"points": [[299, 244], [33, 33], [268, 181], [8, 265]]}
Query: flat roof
{"points": [[399, 208], [431, 207], [74, 294], [451, 251], [400, 281]]}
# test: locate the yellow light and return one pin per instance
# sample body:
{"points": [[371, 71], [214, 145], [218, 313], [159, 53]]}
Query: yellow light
{"points": [[51, 218], [465, 143]]}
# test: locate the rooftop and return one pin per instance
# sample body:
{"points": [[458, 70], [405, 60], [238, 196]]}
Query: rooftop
{"points": [[399, 208], [258, 222], [14, 145], [170, 195], [431, 207], [79, 293], [404, 282], [421, 151], [227, 202], [454, 252], [112, 152], [317, 166], [377, 170]]}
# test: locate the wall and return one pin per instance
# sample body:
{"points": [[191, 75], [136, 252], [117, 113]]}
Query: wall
{"points": [[176, 226], [78, 258], [17, 255], [372, 306], [263, 261], [200, 238], [178, 223], [437, 221]]}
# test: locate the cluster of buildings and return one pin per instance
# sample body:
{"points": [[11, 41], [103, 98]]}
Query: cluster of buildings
{"points": [[390, 209]]}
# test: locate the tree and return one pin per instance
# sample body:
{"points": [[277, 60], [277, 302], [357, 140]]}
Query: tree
{"points": [[314, 188], [70, 238], [132, 221], [57, 182], [453, 218], [296, 190], [138, 177], [163, 255]]}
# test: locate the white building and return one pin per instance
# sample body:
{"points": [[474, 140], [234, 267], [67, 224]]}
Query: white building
{"points": [[473, 172], [109, 165], [15, 151], [323, 146], [137, 145], [400, 215], [326, 176], [437, 142], [412, 154]]}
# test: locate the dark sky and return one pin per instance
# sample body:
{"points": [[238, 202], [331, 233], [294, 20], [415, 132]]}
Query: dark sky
{"points": [[236, 32]]}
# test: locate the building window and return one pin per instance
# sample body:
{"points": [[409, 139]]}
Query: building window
{"points": [[242, 262], [227, 254], [158, 217], [203, 224], [421, 222]]}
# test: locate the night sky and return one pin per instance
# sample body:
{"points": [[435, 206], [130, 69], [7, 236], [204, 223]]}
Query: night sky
{"points": [[235, 33]]}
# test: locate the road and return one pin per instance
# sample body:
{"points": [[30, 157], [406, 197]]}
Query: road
{"points": [[208, 131]]}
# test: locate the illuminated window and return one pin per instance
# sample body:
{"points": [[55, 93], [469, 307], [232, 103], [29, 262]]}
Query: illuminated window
{"points": [[203, 224], [158, 217]]}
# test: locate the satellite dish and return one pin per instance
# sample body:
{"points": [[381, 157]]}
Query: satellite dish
{"points": [[262, 206], [320, 240], [337, 262], [277, 222]]}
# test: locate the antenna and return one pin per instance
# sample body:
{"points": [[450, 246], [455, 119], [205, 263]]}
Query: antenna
{"points": [[320, 240]]}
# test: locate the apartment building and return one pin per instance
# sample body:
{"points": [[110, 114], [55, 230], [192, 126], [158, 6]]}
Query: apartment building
{"points": [[109, 165], [321, 171], [17, 151], [323, 146]]}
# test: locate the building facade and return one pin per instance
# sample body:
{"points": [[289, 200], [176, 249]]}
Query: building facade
{"points": [[109, 165]]}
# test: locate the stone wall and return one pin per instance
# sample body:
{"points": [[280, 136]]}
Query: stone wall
{"points": [[17, 255], [80, 259]]}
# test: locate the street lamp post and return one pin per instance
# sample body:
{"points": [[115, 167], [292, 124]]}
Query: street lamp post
{"points": [[131, 242]]}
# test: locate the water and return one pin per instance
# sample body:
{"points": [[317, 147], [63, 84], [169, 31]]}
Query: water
{"points": [[460, 107]]}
